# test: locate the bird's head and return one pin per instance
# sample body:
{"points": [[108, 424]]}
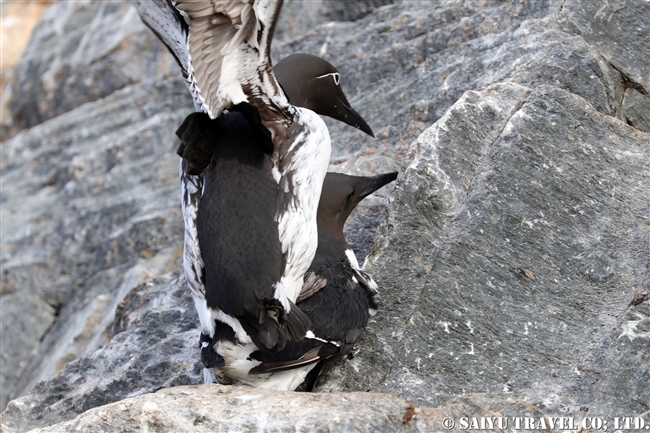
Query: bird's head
{"points": [[342, 193], [313, 83]]}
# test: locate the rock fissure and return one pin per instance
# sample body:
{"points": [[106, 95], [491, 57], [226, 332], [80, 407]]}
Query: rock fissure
{"points": [[459, 316], [467, 192], [517, 108], [628, 83]]}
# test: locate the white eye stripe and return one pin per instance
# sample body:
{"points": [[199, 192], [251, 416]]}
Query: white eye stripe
{"points": [[335, 75]]}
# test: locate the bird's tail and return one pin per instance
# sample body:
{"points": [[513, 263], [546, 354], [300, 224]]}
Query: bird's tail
{"points": [[274, 326]]}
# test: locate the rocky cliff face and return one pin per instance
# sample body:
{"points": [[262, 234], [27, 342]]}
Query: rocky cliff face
{"points": [[512, 258]]}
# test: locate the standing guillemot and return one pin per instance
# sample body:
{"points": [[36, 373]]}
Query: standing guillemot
{"points": [[225, 60], [337, 296], [238, 156]]}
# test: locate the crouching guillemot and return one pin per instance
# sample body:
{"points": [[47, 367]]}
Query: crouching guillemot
{"points": [[337, 296], [223, 49]]}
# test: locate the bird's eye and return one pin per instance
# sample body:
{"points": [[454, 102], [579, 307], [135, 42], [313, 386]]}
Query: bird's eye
{"points": [[335, 75]]}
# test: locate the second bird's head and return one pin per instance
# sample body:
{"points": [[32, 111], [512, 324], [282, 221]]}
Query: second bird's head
{"points": [[342, 193], [313, 83]]}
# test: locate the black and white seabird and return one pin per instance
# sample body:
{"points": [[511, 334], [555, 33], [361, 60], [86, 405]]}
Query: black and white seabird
{"points": [[240, 197], [223, 49], [337, 296]]}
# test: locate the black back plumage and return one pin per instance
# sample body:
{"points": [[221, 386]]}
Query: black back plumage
{"points": [[238, 208], [339, 307]]}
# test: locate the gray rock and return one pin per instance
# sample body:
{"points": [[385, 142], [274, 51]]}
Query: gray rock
{"points": [[506, 261], [90, 210], [623, 389], [619, 30], [21, 335], [81, 52], [298, 17], [637, 109], [407, 63], [154, 345], [352, 11], [209, 408]]}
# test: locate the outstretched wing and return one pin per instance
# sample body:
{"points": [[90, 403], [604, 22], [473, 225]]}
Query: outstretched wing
{"points": [[223, 49], [170, 27], [229, 45]]}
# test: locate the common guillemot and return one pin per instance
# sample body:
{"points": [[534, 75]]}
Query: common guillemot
{"points": [[237, 156], [337, 296], [223, 49]]}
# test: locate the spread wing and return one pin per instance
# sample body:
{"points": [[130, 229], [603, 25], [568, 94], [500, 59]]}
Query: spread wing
{"points": [[229, 45], [223, 49], [170, 27]]}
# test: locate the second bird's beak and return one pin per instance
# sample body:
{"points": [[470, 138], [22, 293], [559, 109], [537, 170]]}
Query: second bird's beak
{"points": [[377, 182]]}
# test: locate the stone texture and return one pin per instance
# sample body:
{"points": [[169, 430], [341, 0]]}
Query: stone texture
{"points": [[298, 17], [235, 409], [637, 109], [551, 216], [619, 30], [21, 335], [89, 210], [81, 52], [624, 388], [153, 344], [407, 63]]}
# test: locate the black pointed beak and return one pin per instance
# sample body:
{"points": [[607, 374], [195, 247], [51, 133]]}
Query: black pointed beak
{"points": [[377, 182], [352, 118]]}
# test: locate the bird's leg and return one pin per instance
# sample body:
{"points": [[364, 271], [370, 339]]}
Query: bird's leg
{"points": [[199, 136], [209, 356]]}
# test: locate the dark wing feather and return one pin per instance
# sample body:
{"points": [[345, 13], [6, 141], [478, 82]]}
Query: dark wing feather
{"points": [[229, 44], [293, 356], [312, 283]]}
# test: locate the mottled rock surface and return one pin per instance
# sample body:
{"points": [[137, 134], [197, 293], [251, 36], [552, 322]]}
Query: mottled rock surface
{"points": [[637, 109], [623, 387], [90, 209], [618, 30], [235, 409], [513, 261], [545, 200], [21, 335], [82, 52], [150, 348]]}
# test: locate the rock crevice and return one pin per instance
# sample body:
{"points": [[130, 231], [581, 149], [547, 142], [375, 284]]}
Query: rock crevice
{"points": [[507, 254]]}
